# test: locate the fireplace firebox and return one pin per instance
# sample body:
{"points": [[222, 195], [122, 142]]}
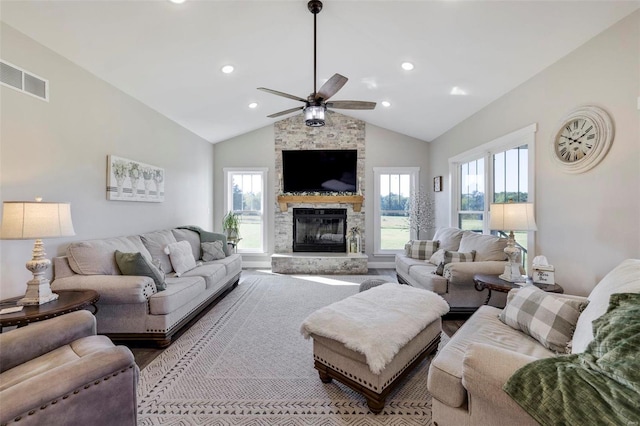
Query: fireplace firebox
{"points": [[319, 230]]}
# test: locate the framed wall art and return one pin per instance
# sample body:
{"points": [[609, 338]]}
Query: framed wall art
{"points": [[129, 180], [437, 183]]}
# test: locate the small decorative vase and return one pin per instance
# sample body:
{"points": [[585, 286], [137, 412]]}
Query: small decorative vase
{"points": [[147, 187], [120, 183], [134, 188]]}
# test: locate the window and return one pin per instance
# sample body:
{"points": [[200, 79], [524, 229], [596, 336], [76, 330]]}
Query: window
{"points": [[393, 189], [497, 172], [244, 195]]}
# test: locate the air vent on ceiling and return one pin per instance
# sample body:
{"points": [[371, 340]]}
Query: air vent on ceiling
{"points": [[23, 81]]}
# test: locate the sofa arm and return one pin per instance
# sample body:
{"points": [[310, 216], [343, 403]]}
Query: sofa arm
{"points": [[26, 343], [463, 272], [99, 372], [113, 289], [485, 370]]}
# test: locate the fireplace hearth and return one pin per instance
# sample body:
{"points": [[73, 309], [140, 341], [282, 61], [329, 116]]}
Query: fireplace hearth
{"points": [[319, 230]]}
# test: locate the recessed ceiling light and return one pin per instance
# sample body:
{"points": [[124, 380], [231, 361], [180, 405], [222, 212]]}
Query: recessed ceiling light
{"points": [[177, 1], [456, 91], [253, 105], [227, 69], [386, 103], [408, 66]]}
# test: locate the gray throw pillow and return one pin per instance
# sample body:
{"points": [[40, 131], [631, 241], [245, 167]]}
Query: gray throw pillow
{"points": [[548, 318], [137, 264], [212, 251]]}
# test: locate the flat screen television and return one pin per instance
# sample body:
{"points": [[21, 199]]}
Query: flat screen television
{"points": [[323, 170]]}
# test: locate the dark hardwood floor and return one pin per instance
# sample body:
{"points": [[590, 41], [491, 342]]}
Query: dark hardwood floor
{"points": [[145, 354]]}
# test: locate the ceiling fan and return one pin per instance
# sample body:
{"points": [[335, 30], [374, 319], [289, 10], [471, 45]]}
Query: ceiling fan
{"points": [[316, 104]]}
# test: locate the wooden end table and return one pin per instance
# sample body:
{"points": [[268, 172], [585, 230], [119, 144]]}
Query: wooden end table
{"points": [[495, 283], [68, 301]]}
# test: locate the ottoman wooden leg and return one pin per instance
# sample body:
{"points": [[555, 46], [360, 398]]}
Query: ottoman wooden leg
{"points": [[324, 377], [375, 405]]}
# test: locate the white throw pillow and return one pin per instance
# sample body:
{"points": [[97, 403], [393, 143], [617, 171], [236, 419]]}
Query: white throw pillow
{"points": [[181, 257], [212, 251]]}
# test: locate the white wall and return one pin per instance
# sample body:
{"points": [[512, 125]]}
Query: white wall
{"points": [[386, 148], [253, 149], [58, 150], [590, 222]]}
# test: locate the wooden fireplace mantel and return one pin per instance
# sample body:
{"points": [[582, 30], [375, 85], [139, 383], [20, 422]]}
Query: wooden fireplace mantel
{"points": [[356, 200]]}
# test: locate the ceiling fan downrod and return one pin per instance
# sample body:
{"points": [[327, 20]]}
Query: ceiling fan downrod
{"points": [[314, 112], [314, 6]]}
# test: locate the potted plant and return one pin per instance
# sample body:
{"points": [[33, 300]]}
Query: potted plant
{"points": [[230, 225]]}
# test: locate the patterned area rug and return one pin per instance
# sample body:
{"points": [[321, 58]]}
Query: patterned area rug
{"points": [[246, 363]]}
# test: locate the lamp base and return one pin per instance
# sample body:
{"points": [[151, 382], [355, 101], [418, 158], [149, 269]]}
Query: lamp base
{"points": [[38, 289], [38, 292], [512, 273]]}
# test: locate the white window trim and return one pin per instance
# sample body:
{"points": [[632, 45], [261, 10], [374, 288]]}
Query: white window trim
{"points": [[414, 172], [524, 136], [228, 198]]}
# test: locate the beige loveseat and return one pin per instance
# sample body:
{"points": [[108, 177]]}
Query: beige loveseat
{"points": [[455, 284], [467, 376], [130, 306], [58, 372]]}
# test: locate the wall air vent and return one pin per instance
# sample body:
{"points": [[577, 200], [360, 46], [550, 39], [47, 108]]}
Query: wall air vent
{"points": [[23, 81]]}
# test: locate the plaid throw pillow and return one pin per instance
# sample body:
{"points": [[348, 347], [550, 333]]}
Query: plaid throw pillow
{"points": [[421, 249], [456, 256], [442, 257], [547, 318]]}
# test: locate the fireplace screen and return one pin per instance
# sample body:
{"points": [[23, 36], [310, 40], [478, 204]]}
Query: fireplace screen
{"points": [[319, 230]]}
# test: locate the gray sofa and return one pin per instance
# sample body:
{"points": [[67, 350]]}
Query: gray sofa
{"points": [[467, 376], [130, 306], [455, 284], [58, 372]]}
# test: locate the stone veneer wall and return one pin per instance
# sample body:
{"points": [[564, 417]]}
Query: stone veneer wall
{"points": [[340, 132]]}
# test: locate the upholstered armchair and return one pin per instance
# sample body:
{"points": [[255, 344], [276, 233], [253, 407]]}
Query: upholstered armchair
{"points": [[59, 372]]}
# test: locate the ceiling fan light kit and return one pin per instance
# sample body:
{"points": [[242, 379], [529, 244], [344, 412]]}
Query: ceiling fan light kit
{"points": [[315, 106], [314, 116]]}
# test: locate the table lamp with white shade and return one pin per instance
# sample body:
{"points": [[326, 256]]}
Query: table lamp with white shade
{"points": [[26, 220], [512, 217]]}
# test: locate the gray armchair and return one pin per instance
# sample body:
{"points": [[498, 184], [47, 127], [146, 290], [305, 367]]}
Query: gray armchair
{"points": [[59, 372]]}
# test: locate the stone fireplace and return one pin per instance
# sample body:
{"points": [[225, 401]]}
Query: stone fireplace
{"points": [[342, 132]]}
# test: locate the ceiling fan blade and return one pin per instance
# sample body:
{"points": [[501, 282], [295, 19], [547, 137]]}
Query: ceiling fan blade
{"points": [[286, 95], [285, 112], [351, 105], [331, 87]]}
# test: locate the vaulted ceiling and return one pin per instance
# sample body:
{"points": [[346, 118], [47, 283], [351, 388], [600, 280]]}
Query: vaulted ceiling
{"points": [[169, 56]]}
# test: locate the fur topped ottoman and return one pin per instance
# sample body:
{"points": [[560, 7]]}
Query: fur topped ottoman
{"points": [[370, 340]]}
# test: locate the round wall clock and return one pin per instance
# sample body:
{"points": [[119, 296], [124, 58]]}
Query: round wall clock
{"points": [[582, 139]]}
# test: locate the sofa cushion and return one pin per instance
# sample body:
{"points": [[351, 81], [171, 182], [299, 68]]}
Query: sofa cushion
{"points": [[404, 263], [212, 251], [137, 264], [487, 247], [192, 237], [448, 238], [421, 249], [97, 257], [213, 273], [181, 257], [179, 292], [549, 319], [624, 278], [156, 242], [59, 356], [232, 263], [426, 279], [445, 372]]}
